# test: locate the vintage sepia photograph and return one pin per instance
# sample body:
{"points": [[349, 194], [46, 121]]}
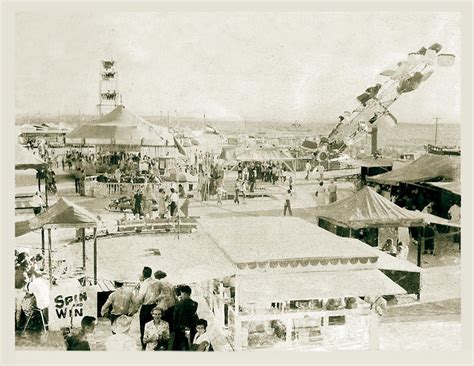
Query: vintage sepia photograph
{"points": [[236, 181]]}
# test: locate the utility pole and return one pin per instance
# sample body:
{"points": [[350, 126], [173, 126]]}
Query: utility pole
{"points": [[436, 129]]}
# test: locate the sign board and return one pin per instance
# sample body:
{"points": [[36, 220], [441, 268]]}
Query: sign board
{"points": [[70, 302]]}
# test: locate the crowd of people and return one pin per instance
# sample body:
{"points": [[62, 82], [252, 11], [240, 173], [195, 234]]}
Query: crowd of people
{"points": [[168, 318], [169, 202]]}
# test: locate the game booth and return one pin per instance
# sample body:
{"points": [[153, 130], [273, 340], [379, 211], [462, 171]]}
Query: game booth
{"points": [[310, 289]]}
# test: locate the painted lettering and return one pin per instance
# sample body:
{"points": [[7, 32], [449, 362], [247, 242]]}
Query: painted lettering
{"points": [[59, 301]]}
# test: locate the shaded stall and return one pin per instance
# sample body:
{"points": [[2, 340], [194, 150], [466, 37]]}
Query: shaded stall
{"points": [[411, 184], [293, 283], [364, 213], [25, 159], [426, 168], [63, 214]]}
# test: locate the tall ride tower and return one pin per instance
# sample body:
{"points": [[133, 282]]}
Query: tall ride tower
{"points": [[109, 96]]}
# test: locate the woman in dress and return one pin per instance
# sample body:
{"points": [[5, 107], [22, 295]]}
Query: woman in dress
{"points": [[201, 341], [320, 192], [157, 332], [162, 203]]}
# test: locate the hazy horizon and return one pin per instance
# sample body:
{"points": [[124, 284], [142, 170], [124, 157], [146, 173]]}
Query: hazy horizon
{"points": [[232, 66]]}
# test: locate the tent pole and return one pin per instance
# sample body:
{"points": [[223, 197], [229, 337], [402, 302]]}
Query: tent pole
{"points": [[95, 256], [43, 249], [421, 247], [238, 322], [49, 260], [46, 187], [83, 247], [177, 203]]}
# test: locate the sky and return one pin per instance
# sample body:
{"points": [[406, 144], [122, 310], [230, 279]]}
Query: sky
{"points": [[306, 66]]}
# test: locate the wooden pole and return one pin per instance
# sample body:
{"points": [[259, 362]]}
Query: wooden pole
{"points": [[43, 246], [46, 187], [421, 247], [95, 256], [83, 231], [49, 260], [177, 203], [238, 322]]}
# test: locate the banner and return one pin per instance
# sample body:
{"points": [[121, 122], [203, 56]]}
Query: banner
{"points": [[70, 302]]}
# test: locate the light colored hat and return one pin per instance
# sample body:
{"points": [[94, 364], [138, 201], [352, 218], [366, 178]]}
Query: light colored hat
{"points": [[122, 324]]}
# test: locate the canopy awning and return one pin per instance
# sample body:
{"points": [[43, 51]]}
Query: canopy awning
{"points": [[63, 213], [367, 208], [453, 187], [428, 167], [25, 159], [315, 285], [386, 261], [263, 239], [433, 219]]}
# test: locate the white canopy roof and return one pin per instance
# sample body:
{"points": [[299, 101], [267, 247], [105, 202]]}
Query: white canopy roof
{"points": [[315, 285]]}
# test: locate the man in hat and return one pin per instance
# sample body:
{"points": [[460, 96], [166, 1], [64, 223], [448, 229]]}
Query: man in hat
{"points": [[120, 302], [120, 340]]}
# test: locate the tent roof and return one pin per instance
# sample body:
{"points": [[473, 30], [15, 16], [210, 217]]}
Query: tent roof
{"points": [[63, 213], [387, 261], [428, 167], [454, 187], [368, 208], [125, 128], [261, 239], [433, 219], [316, 285], [25, 159]]}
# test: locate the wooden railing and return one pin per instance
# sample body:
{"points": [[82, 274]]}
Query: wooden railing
{"points": [[112, 190]]}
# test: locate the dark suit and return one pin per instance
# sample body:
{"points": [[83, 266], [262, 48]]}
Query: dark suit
{"points": [[185, 316]]}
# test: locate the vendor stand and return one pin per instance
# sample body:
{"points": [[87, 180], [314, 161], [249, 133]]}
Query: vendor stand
{"points": [[24, 160], [71, 296], [63, 214], [293, 289], [368, 212]]}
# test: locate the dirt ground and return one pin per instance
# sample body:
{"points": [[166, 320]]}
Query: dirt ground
{"points": [[433, 323]]}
